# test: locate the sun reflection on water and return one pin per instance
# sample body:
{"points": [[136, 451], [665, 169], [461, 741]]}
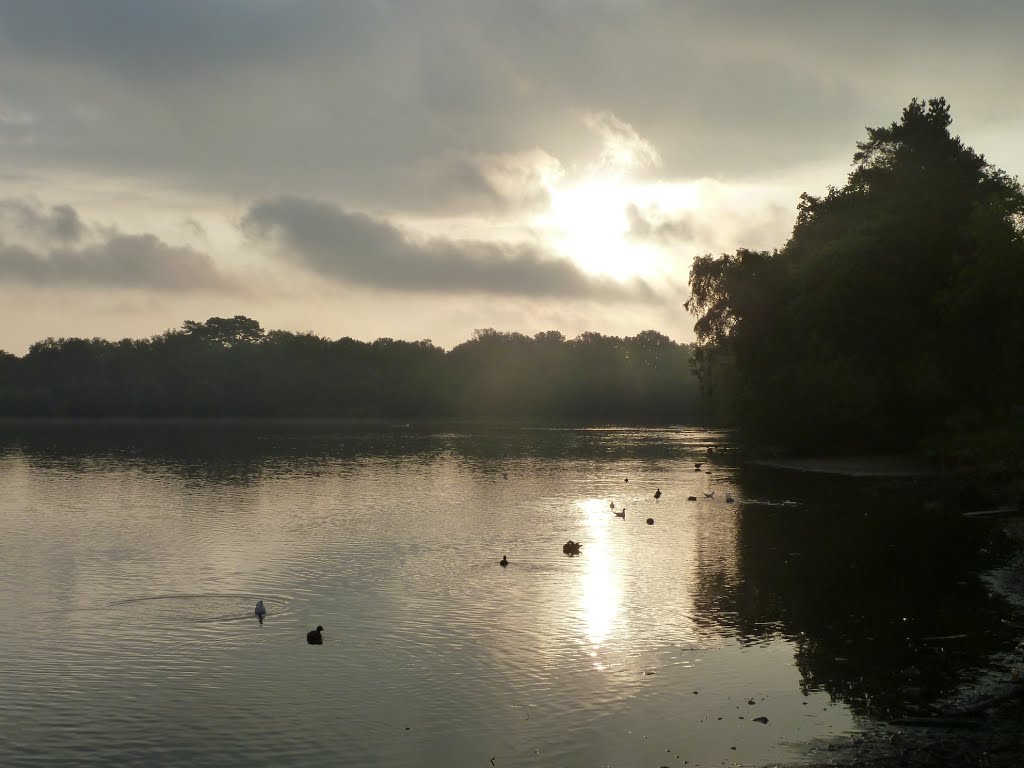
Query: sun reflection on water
{"points": [[601, 596]]}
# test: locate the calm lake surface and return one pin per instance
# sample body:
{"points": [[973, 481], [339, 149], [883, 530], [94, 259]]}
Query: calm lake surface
{"points": [[133, 556]]}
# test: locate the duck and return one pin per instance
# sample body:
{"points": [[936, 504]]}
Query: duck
{"points": [[260, 611], [313, 637], [650, 521], [572, 547], [621, 514], [612, 505], [657, 494], [503, 562], [728, 498], [698, 465]]}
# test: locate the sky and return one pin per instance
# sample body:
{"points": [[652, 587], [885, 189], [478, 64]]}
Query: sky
{"points": [[423, 169]]}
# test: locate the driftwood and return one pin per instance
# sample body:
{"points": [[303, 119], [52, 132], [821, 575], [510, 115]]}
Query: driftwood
{"points": [[937, 722], [987, 512]]}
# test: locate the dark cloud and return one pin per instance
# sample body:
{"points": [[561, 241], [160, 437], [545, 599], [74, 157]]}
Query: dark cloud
{"points": [[123, 261], [356, 248], [31, 219], [51, 246]]}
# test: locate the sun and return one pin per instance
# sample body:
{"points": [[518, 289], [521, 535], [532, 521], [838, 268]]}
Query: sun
{"points": [[588, 222]]}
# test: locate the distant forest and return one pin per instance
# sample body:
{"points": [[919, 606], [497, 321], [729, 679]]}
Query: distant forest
{"points": [[231, 367], [893, 318]]}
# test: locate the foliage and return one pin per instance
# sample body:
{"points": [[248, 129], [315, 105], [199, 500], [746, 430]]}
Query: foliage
{"points": [[892, 315], [232, 368]]}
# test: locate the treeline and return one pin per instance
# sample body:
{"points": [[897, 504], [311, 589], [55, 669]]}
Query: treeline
{"points": [[893, 318], [230, 367]]}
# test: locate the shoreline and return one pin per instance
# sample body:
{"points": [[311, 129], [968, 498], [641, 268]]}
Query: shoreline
{"points": [[896, 466], [982, 727]]}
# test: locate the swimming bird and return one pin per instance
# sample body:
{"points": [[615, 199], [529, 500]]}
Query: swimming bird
{"points": [[503, 562], [709, 495], [691, 498], [697, 465], [728, 498], [657, 494], [650, 521], [572, 547], [260, 611], [627, 479], [621, 514], [313, 637], [612, 505]]}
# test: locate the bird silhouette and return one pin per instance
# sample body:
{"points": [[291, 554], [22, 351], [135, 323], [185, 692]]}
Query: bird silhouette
{"points": [[503, 562], [657, 494], [313, 637]]}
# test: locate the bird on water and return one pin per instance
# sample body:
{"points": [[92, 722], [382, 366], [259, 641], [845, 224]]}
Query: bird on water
{"points": [[657, 494], [261, 611], [503, 562], [313, 637], [621, 514]]}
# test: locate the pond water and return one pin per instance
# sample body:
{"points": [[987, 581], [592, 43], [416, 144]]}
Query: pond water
{"points": [[133, 555]]}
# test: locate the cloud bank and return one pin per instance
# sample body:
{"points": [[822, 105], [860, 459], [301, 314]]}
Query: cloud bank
{"points": [[356, 248], [53, 247]]}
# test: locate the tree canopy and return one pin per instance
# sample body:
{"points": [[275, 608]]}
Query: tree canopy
{"points": [[892, 317], [231, 367]]}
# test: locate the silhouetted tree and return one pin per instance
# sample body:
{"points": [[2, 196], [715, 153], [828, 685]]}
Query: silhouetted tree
{"points": [[230, 367], [893, 312]]}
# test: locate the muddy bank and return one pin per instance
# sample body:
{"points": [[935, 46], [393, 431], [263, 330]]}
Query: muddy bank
{"points": [[980, 727], [994, 739]]}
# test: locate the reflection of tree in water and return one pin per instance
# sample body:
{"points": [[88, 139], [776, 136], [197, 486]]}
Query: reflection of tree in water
{"points": [[868, 585], [243, 451]]}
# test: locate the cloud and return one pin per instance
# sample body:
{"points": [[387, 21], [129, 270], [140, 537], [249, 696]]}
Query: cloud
{"points": [[762, 226], [347, 100], [31, 219], [646, 224], [53, 247], [494, 183], [622, 148], [353, 247]]}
